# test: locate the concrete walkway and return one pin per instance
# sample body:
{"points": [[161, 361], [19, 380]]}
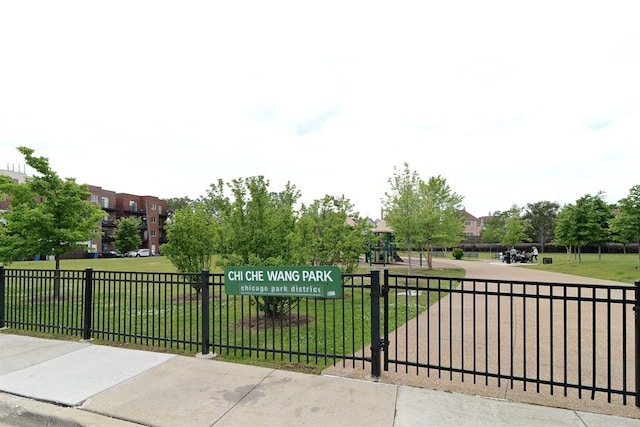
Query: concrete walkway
{"points": [[451, 347], [62, 383]]}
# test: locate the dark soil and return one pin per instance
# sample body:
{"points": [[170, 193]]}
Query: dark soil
{"points": [[263, 321]]}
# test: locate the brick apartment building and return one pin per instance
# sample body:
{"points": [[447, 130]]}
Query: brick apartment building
{"points": [[151, 210]]}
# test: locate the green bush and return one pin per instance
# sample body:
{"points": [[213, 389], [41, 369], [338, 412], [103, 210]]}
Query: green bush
{"points": [[458, 253]]}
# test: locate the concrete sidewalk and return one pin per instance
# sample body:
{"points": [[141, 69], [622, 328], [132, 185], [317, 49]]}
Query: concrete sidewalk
{"points": [[69, 383], [425, 345]]}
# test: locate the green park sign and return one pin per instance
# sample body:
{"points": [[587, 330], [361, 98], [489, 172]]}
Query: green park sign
{"points": [[322, 281]]}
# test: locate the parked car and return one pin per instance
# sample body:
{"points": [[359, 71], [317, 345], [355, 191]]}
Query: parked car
{"points": [[111, 254], [132, 254], [145, 252]]}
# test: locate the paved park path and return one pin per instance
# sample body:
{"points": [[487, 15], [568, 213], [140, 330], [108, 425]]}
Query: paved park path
{"points": [[454, 305]]}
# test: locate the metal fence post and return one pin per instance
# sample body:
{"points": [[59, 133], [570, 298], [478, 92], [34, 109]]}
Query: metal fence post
{"points": [[385, 320], [205, 312], [88, 304], [2, 289], [636, 309], [376, 345]]}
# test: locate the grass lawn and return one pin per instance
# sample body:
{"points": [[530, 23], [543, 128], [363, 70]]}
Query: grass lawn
{"points": [[155, 264], [616, 267], [335, 318]]}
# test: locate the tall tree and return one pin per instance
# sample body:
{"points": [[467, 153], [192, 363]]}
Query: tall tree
{"points": [[48, 215], [583, 223], [566, 230], [542, 217], [256, 228], [127, 234], [592, 217], [175, 203], [515, 227], [329, 232], [404, 208], [603, 213], [191, 240], [441, 219], [422, 213], [626, 224], [495, 228]]}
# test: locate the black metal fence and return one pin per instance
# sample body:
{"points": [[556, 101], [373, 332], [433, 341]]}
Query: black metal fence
{"points": [[551, 336], [186, 312], [542, 336]]}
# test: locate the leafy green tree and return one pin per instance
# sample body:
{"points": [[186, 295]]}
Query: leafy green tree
{"points": [[175, 203], [328, 232], [495, 228], [127, 234], [220, 207], [515, 227], [191, 240], [404, 208], [626, 224], [48, 215], [256, 229], [584, 223], [423, 213], [441, 219], [599, 213], [542, 216], [566, 230], [592, 216]]}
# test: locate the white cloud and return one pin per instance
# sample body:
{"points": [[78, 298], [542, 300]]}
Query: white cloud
{"points": [[511, 102]]}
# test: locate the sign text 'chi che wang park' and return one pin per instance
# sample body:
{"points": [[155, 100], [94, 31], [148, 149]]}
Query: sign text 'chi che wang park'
{"points": [[322, 281]]}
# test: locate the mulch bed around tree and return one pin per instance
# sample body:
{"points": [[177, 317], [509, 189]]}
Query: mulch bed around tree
{"points": [[263, 321]]}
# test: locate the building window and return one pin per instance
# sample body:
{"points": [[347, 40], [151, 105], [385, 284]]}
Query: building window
{"points": [[153, 206], [153, 220], [94, 198], [160, 209], [153, 233], [132, 206], [467, 222], [105, 202]]}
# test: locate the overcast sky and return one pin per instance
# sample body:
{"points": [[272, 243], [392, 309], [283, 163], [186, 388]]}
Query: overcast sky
{"points": [[511, 102]]}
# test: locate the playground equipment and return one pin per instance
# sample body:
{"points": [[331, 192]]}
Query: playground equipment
{"points": [[383, 250]]}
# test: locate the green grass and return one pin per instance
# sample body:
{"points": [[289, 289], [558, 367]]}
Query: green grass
{"points": [[344, 324], [616, 267], [154, 264]]}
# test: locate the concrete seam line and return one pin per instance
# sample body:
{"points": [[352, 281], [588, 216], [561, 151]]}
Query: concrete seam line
{"points": [[243, 397]]}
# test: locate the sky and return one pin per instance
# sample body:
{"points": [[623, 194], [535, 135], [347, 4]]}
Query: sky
{"points": [[512, 102]]}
